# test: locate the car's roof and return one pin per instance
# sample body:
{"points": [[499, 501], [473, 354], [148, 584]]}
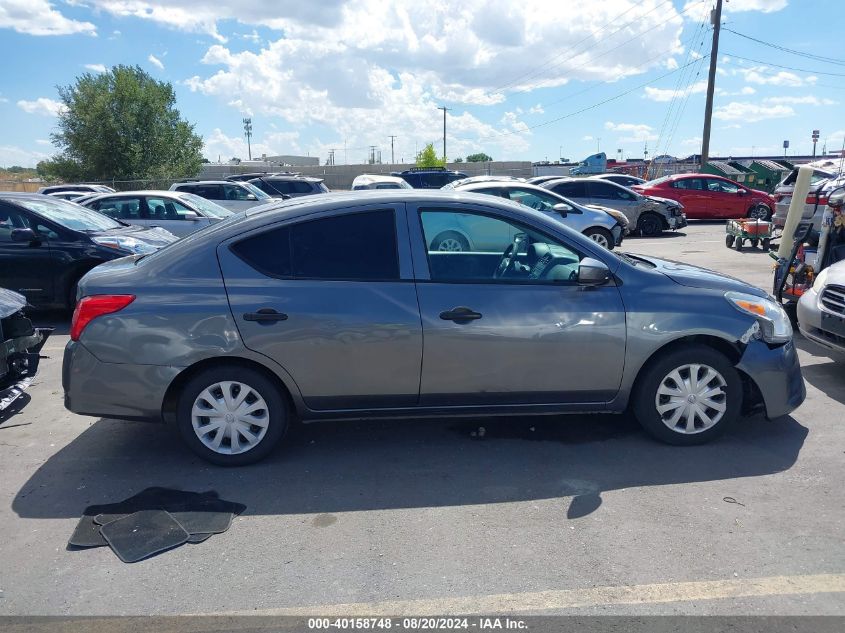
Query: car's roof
{"points": [[208, 182], [486, 184], [381, 177], [143, 192], [288, 177]]}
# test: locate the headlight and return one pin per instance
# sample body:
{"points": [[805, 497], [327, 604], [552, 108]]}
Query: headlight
{"points": [[774, 323], [821, 280], [618, 216], [123, 243]]}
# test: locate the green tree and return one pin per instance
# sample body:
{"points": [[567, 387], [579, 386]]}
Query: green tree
{"points": [[122, 125], [459, 160], [481, 157], [428, 158]]}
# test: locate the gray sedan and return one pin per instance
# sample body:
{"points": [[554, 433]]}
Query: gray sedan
{"points": [[648, 215], [604, 226], [335, 307], [176, 211]]}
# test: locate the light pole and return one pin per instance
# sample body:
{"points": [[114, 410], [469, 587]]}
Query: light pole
{"points": [[445, 110], [392, 138]]}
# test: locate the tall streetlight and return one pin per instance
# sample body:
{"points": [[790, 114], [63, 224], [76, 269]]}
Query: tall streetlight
{"points": [[445, 110]]}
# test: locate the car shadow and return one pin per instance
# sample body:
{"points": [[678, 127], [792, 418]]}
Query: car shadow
{"points": [[344, 467], [828, 377]]}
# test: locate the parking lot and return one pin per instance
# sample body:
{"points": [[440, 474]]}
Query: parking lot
{"points": [[580, 515]]}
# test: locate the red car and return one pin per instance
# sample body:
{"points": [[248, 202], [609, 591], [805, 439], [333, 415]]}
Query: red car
{"points": [[708, 197]]}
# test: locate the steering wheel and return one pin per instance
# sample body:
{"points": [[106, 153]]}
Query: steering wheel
{"points": [[508, 259]]}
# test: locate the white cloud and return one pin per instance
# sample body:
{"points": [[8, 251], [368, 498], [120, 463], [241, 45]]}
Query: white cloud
{"points": [[695, 10], [38, 17], [14, 155], [672, 63], [587, 138], [752, 112], [42, 105], [695, 141], [764, 76], [666, 94], [747, 90], [155, 61], [805, 100], [42, 141], [537, 109], [632, 132], [219, 144], [97, 68]]}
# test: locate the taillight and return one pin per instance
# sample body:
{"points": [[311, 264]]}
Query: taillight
{"points": [[89, 308], [822, 201]]}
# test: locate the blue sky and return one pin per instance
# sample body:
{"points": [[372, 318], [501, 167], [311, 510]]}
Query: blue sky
{"points": [[525, 80]]}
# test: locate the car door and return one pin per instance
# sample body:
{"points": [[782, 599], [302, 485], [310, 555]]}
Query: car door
{"points": [[26, 267], [510, 341], [724, 199], [691, 193], [173, 216], [608, 194], [333, 301]]}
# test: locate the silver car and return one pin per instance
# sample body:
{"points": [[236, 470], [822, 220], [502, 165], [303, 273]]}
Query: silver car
{"points": [[604, 226], [179, 212], [233, 195], [647, 214], [822, 182], [335, 307], [821, 310]]}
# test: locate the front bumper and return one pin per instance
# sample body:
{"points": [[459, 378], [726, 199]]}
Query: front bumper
{"points": [[113, 390], [810, 323], [777, 375], [19, 359], [677, 221], [618, 234]]}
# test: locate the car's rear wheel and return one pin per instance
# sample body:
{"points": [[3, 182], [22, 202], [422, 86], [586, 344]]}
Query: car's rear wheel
{"points": [[729, 240], [688, 396], [649, 225], [760, 212], [601, 236], [231, 415], [450, 241]]}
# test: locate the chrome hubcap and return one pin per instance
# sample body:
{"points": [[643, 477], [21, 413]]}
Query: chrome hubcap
{"points": [[230, 417], [450, 244], [691, 398], [599, 239]]}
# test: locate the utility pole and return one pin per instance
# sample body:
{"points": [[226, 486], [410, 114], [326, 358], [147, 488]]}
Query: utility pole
{"points": [[815, 140], [248, 134], [392, 138], [716, 21], [445, 110]]}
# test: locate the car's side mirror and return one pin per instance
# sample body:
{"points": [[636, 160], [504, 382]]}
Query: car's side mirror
{"points": [[740, 192], [251, 196], [190, 215], [24, 235], [592, 272], [561, 208]]}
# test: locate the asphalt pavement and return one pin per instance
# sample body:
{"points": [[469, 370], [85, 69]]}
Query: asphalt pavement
{"points": [[580, 514]]}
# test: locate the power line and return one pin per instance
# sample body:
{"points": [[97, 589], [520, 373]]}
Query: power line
{"points": [[829, 60], [798, 70], [571, 48], [590, 107]]}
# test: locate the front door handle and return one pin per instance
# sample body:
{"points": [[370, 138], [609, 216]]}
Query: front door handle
{"points": [[460, 315], [265, 315]]}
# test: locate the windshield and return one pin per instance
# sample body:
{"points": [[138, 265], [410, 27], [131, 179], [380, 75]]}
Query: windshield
{"points": [[206, 206], [69, 215], [256, 191], [656, 181]]}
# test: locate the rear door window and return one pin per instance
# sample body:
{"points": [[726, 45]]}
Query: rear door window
{"points": [[355, 247], [571, 189], [299, 186], [126, 209], [689, 183]]}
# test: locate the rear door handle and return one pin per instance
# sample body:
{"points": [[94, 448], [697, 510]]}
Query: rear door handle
{"points": [[460, 315], [265, 315]]}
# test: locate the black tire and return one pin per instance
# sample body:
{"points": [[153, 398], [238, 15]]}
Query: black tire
{"points": [[766, 243], [650, 224], [729, 240], [738, 243], [277, 413], [652, 376], [761, 211], [599, 235], [455, 241], [71, 295], [754, 243]]}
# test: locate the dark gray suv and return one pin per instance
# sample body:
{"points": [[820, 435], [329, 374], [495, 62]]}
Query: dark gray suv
{"points": [[336, 307]]}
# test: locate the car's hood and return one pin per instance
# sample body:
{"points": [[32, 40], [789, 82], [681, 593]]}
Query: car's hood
{"points": [[666, 201], [598, 207], [695, 277], [10, 302], [155, 236]]}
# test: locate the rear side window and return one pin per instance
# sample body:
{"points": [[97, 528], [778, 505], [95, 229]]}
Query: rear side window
{"points": [[357, 246], [277, 186], [300, 187], [571, 189]]}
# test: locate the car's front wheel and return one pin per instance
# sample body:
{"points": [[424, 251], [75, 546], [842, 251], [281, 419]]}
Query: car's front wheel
{"points": [[649, 225], [231, 415], [601, 236], [688, 396], [760, 212], [450, 241]]}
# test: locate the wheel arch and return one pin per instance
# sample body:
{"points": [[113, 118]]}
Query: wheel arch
{"points": [[663, 221], [170, 402]]}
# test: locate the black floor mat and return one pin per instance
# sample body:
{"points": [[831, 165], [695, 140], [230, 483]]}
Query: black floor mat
{"points": [[142, 534], [199, 514]]}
